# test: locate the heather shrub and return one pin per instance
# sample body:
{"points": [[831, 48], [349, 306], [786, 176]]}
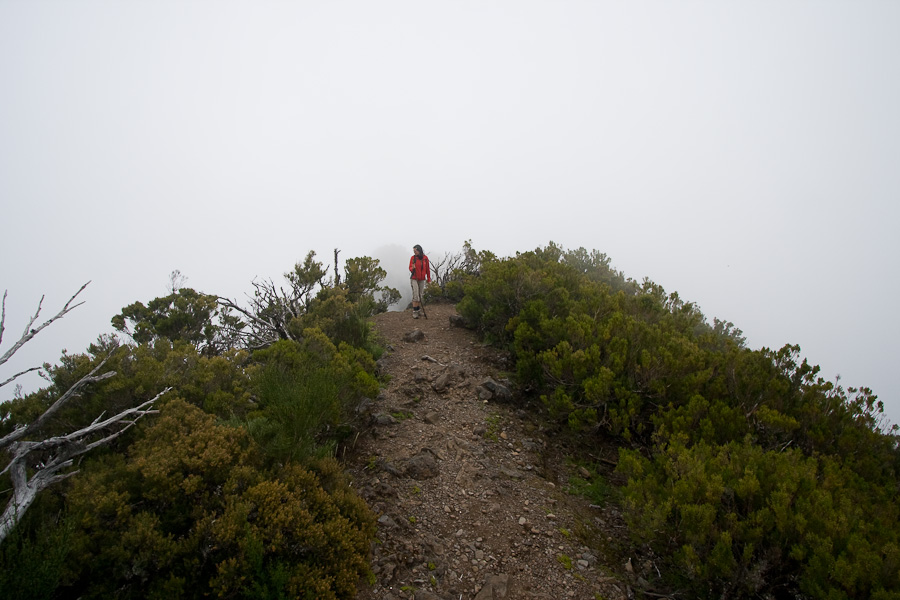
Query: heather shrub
{"points": [[735, 520], [191, 512], [305, 391], [746, 474]]}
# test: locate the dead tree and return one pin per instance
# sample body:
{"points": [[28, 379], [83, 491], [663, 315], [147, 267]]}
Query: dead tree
{"points": [[272, 307], [30, 331], [443, 268], [271, 310], [31, 475], [337, 275]]}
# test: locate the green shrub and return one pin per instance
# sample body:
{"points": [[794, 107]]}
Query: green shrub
{"points": [[340, 319], [750, 472], [33, 556], [190, 512], [305, 391], [595, 487], [739, 521]]}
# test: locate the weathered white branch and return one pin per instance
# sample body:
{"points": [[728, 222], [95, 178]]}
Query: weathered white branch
{"points": [[77, 436], [30, 332], [17, 375], [63, 450], [57, 452], [3, 317], [91, 377]]}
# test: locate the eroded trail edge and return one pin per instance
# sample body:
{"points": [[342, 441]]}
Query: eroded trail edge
{"points": [[470, 496]]}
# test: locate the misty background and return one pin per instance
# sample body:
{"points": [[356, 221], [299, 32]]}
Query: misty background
{"points": [[744, 154]]}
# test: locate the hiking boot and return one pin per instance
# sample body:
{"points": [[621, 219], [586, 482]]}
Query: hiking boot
{"points": [[415, 314]]}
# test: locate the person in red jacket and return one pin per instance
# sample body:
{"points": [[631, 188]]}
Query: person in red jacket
{"points": [[419, 273]]}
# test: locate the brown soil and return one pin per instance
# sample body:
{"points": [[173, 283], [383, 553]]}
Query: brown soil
{"points": [[470, 495]]}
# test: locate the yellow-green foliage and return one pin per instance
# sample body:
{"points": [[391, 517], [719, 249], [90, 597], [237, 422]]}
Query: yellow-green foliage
{"points": [[341, 318], [595, 487], [739, 521], [183, 505], [191, 513], [218, 384], [751, 472], [306, 389]]}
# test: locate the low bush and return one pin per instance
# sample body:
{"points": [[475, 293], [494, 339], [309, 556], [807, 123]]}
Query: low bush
{"points": [[191, 512], [749, 474]]}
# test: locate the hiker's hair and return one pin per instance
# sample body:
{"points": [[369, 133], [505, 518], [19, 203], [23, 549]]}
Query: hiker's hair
{"points": [[419, 249]]}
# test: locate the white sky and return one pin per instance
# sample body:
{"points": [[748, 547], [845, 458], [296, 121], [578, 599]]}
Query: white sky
{"points": [[745, 154]]}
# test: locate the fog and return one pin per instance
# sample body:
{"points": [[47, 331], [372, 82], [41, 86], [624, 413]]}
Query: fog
{"points": [[744, 154]]}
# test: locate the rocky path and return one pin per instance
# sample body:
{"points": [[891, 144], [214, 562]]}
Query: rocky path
{"points": [[469, 499]]}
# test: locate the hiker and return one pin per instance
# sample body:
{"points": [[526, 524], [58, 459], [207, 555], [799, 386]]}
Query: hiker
{"points": [[419, 273]]}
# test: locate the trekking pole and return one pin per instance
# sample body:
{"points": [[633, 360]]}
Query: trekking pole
{"points": [[422, 306]]}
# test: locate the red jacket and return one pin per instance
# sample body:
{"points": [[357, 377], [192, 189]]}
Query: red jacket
{"points": [[420, 269]]}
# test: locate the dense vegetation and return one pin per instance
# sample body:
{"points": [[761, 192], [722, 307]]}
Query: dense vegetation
{"points": [[741, 472], [232, 489]]}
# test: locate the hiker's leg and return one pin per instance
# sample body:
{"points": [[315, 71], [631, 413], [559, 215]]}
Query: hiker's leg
{"points": [[416, 297]]}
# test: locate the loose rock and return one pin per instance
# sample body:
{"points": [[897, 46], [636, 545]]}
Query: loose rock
{"points": [[383, 419], [495, 389], [416, 335], [422, 466]]}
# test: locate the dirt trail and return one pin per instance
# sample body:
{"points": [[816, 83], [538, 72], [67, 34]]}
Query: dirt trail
{"points": [[471, 502]]}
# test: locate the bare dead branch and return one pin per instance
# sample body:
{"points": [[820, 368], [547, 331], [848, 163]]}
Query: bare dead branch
{"points": [[337, 275], [30, 332], [58, 451], [76, 437], [261, 332], [17, 375], [91, 377], [271, 310], [3, 317], [63, 450], [444, 266]]}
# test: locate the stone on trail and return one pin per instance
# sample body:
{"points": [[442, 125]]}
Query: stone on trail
{"points": [[457, 321], [386, 521], [416, 335], [364, 405], [440, 384], [422, 466], [512, 473], [384, 419], [495, 588], [381, 366], [490, 388]]}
